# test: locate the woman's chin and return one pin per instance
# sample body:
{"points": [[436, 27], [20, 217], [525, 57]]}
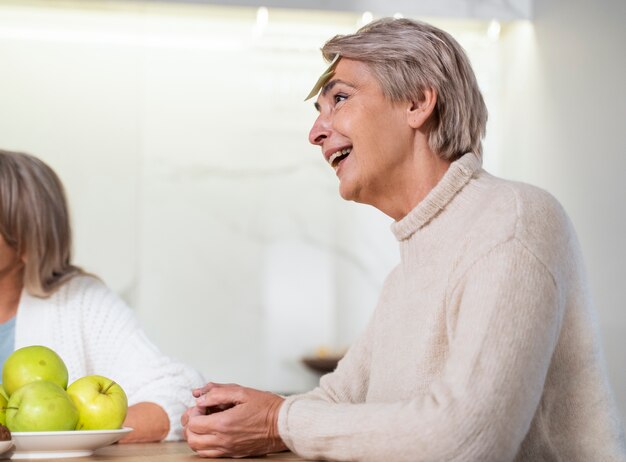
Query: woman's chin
{"points": [[348, 191]]}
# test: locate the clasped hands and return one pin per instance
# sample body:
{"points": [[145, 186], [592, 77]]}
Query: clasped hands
{"points": [[233, 421]]}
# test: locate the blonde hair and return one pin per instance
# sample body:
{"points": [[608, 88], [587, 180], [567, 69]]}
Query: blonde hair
{"points": [[34, 220], [409, 56]]}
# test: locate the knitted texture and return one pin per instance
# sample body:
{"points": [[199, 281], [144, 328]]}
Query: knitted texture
{"points": [[483, 345], [95, 332]]}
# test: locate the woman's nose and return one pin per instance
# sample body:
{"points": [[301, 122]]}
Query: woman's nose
{"points": [[320, 131]]}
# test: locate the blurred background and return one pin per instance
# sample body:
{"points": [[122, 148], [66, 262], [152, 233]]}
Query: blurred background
{"points": [[180, 132]]}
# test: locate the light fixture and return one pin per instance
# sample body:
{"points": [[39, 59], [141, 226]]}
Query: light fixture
{"points": [[493, 30], [367, 17], [262, 18]]}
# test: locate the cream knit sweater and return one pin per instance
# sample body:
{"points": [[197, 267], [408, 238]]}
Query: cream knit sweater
{"points": [[95, 332], [483, 346]]}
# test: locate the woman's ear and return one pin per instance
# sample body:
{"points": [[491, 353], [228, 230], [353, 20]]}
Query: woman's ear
{"points": [[420, 111]]}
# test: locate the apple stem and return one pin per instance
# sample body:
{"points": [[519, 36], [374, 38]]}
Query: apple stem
{"points": [[107, 388]]}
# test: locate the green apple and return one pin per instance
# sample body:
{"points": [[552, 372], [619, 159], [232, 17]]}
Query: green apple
{"points": [[39, 407], [3, 410], [101, 403], [3, 393], [33, 363]]}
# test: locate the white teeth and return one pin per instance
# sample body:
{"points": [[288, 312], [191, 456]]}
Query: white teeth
{"points": [[342, 153]]}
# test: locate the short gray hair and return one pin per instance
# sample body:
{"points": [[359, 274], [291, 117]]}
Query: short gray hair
{"points": [[34, 220], [408, 57]]}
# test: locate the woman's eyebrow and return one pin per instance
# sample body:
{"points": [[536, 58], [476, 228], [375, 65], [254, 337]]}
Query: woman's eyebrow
{"points": [[326, 88]]}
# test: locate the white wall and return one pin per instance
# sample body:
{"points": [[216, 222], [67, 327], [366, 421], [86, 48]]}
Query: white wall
{"points": [[180, 134], [562, 128], [499, 9]]}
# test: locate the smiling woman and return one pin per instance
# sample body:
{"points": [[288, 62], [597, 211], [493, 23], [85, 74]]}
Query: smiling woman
{"points": [[49, 301], [483, 345]]}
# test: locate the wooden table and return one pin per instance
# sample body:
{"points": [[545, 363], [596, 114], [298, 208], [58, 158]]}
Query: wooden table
{"points": [[156, 452]]}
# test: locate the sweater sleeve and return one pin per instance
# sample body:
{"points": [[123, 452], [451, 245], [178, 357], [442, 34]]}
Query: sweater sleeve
{"points": [[504, 316], [117, 347]]}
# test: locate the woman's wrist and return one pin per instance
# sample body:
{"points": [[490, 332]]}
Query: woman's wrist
{"points": [[149, 421]]}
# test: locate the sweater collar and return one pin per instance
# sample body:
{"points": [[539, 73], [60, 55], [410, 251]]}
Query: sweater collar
{"points": [[455, 178]]}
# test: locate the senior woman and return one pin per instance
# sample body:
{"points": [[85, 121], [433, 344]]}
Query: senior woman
{"points": [[46, 300], [482, 346]]}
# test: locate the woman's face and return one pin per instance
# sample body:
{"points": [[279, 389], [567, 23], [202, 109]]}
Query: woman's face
{"points": [[365, 137], [9, 259]]}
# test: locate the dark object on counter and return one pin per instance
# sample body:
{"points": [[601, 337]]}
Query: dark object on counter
{"points": [[5, 434], [321, 364]]}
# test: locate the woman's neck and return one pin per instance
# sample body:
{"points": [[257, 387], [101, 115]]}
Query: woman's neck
{"points": [[419, 176], [11, 284]]}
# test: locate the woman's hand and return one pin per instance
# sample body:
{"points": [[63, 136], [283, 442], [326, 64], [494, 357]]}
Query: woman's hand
{"points": [[149, 421], [233, 421]]}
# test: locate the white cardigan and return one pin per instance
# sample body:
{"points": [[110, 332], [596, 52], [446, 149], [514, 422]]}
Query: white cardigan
{"points": [[95, 332]]}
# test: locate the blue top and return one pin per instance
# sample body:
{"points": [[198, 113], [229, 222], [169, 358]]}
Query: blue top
{"points": [[7, 340]]}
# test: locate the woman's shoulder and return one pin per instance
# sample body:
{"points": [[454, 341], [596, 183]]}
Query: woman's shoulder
{"points": [[80, 285], [536, 219], [85, 292], [528, 207], [539, 214]]}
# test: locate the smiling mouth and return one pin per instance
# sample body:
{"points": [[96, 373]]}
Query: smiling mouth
{"points": [[337, 157]]}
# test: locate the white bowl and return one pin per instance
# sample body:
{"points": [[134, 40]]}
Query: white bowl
{"points": [[56, 445]]}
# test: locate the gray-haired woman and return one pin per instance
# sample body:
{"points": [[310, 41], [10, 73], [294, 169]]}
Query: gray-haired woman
{"points": [[46, 300], [483, 345]]}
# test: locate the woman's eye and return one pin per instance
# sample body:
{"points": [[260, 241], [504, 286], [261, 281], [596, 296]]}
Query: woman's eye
{"points": [[339, 98]]}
